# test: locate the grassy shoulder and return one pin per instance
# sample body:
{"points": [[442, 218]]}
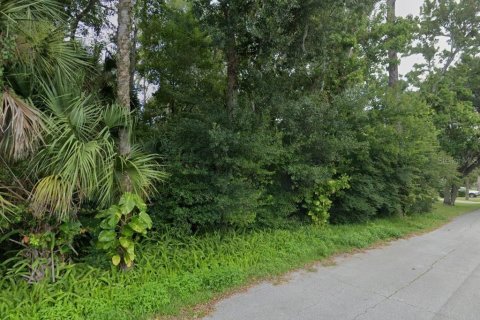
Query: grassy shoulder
{"points": [[175, 275], [473, 200]]}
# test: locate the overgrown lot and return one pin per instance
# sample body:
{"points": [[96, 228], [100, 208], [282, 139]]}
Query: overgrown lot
{"points": [[175, 274]]}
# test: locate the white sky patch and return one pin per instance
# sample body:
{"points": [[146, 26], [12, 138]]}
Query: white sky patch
{"points": [[412, 7], [405, 8]]}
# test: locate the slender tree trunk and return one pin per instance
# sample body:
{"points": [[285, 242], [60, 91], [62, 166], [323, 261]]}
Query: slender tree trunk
{"points": [[2, 61], [124, 81], [133, 59], [232, 58], [124, 44], [232, 80], [392, 54], [478, 183], [467, 188]]}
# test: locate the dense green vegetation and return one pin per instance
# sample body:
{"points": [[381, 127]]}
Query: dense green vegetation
{"points": [[157, 151], [174, 273]]}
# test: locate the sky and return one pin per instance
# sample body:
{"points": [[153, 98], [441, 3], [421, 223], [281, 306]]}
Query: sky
{"points": [[404, 8]]}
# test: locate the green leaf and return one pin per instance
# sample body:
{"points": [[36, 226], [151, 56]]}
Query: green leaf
{"points": [[109, 212], [127, 231], [146, 218], [141, 204], [138, 225], [110, 222], [127, 203], [131, 251], [128, 259], [72, 227], [116, 260], [126, 242], [106, 245], [107, 236]]}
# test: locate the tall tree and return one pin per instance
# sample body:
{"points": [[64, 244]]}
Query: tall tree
{"points": [[228, 21], [78, 15], [231, 57], [447, 87], [457, 22], [392, 53], [185, 47], [124, 44], [87, 18]]}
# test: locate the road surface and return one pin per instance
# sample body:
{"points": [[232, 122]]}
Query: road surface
{"points": [[435, 276]]}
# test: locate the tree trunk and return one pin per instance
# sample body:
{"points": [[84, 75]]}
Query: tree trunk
{"points": [[231, 56], [478, 183], [133, 61], [467, 188], [454, 194], [447, 195], [124, 44], [392, 54], [450, 194], [232, 80]]}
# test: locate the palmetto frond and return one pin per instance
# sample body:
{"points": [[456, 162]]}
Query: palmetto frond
{"points": [[116, 116], [14, 11], [21, 126], [142, 170], [39, 54], [7, 208], [52, 195], [72, 112], [81, 161], [42, 53], [79, 151]]}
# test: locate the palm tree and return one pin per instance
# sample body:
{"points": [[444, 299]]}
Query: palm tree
{"points": [[21, 123], [79, 158], [32, 49], [80, 161]]}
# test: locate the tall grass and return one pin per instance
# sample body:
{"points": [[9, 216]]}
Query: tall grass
{"points": [[176, 273]]}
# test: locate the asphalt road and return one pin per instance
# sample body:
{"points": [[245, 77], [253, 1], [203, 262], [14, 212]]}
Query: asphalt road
{"points": [[433, 276]]}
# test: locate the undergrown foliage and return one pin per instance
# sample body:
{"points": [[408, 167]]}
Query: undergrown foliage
{"points": [[175, 272], [45, 253], [120, 227], [318, 203]]}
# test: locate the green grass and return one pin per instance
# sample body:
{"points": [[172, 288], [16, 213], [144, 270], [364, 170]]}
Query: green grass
{"points": [[176, 274], [477, 199], [470, 200]]}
